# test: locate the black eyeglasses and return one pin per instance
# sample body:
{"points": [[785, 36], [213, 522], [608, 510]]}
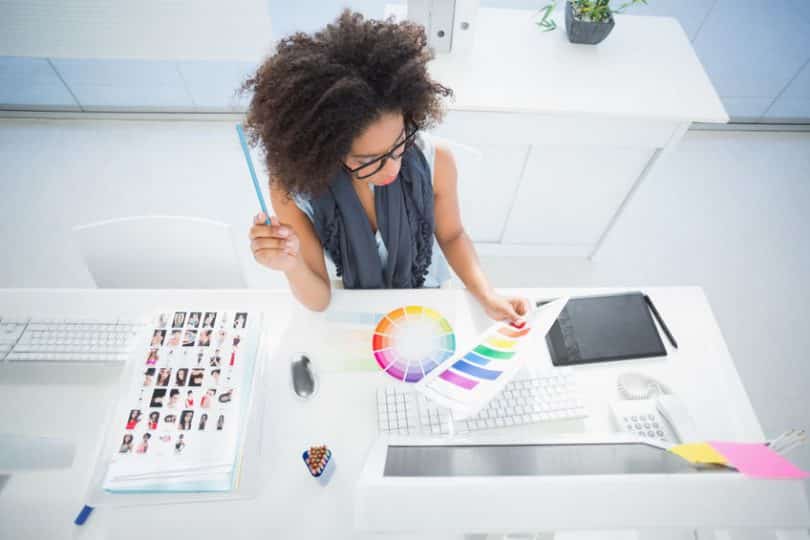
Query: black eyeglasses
{"points": [[371, 168]]}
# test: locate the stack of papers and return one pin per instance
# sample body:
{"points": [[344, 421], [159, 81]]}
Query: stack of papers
{"points": [[184, 412]]}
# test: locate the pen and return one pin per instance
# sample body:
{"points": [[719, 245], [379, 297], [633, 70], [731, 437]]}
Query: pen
{"points": [[661, 321], [246, 151]]}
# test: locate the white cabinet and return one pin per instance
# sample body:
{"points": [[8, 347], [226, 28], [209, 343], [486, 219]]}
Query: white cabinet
{"points": [[569, 194], [565, 133]]}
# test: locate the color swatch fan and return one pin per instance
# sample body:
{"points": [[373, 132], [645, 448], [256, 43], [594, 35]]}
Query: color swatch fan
{"points": [[467, 381], [412, 341]]}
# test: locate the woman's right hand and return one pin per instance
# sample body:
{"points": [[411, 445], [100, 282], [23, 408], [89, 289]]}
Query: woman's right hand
{"points": [[276, 245]]}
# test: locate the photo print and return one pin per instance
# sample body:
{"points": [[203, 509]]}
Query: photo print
{"points": [[162, 320], [196, 377], [205, 338], [180, 444], [164, 376], [174, 338], [240, 320], [149, 377], [189, 338], [134, 418], [174, 398], [194, 319], [126, 444], [179, 319], [152, 357], [180, 377], [157, 338], [143, 445], [208, 398], [210, 319], [186, 418], [154, 417], [157, 398]]}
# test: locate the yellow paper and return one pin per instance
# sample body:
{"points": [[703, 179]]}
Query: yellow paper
{"points": [[699, 453]]}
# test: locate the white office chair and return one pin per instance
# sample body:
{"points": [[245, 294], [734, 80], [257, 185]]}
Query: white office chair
{"points": [[468, 165], [160, 252]]}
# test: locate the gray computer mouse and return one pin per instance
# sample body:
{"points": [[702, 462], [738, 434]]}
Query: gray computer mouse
{"points": [[304, 381]]}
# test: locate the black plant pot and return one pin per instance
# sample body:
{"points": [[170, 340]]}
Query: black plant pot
{"points": [[587, 32]]}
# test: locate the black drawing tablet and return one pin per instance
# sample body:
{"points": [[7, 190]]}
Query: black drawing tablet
{"points": [[604, 328]]}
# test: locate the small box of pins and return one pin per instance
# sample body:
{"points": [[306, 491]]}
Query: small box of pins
{"points": [[318, 460]]}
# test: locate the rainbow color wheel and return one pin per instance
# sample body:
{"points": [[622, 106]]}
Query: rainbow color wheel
{"points": [[411, 341]]}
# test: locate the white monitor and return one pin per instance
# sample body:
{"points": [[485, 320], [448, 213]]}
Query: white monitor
{"points": [[494, 484]]}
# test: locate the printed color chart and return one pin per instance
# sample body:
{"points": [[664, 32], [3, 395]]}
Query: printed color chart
{"points": [[412, 341], [467, 381]]}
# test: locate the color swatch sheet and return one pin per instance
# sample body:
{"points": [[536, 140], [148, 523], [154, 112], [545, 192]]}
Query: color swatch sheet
{"points": [[752, 459], [345, 343], [182, 422], [411, 341], [467, 380]]}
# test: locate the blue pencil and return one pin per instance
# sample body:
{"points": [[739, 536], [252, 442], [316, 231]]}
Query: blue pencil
{"points": [[243, 142]]}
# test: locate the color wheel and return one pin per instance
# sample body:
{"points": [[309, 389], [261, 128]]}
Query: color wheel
{"points": [[411, 341]]}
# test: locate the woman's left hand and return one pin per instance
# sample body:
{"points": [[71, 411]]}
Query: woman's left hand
{"points": [[501, 308]]}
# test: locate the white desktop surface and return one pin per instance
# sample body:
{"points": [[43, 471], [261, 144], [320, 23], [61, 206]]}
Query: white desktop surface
{"points": [[342, 414]]}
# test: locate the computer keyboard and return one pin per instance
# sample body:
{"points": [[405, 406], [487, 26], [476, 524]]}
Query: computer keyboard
{"points": [[550, 396], [73, 341]]}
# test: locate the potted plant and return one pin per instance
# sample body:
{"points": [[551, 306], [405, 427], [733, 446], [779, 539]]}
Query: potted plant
{"points": [[586, 21]]}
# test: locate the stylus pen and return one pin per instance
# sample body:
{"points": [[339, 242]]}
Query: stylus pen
{"points": [[661, 321], [246, 151]]}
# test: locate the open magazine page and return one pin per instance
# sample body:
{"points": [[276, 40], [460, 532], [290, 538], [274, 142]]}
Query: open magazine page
{"points": [[187, 403]]}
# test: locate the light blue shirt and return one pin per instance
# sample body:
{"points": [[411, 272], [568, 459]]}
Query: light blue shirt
{"points": [[439, 271]]}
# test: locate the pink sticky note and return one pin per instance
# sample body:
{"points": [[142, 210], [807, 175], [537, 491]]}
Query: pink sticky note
{"points": [[757, 460]]}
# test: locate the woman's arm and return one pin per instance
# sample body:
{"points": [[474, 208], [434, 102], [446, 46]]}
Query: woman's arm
{"points": [[290, 245], [457, 246]]}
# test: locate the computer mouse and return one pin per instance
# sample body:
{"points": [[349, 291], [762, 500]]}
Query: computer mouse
{"points": [[304, 382]]}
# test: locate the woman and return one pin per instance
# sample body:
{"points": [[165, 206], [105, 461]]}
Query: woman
{"points": [[134, 418], [126, 444], [143, 446], [149, 377], [180, 444], [174, 397], [185, 420], [157, 338], [164, 375], [207, 398], [203, 421], [180, 377], [340, 116], [154, 416], [189, 399]]}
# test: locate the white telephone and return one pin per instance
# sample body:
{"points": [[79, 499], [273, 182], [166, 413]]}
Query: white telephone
{"points": [[651, 411]]}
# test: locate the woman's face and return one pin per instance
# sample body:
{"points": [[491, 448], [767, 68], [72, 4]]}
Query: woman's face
{"points": [[378, 138]]}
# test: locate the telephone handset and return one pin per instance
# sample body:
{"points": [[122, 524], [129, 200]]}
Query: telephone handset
{"points": [[651, 411]]}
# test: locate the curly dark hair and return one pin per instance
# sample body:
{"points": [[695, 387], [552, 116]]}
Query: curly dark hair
{"points": [[318, 92]]}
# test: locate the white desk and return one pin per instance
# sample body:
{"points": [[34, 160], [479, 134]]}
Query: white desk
{"points": [[342, 414], [568, 132]]}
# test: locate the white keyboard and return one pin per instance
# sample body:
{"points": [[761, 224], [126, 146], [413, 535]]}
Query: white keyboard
{"points": [[551, 396], [67, 340]]}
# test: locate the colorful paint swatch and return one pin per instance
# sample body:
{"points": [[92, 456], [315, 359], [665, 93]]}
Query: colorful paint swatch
{"points": [[758, 461], [412, 341], [699, 453], [465, 382]]}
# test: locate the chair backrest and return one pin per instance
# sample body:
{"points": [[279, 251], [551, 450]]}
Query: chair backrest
{"points": [[160, 252]]}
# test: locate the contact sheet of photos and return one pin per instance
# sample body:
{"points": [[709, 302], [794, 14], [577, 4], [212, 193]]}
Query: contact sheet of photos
{"points": [[184, 413]]}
